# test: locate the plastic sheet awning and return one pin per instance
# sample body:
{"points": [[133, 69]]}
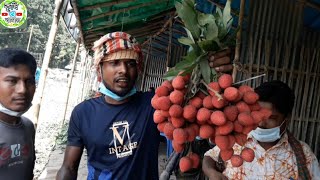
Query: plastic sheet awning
{"points": [[87, 20]]}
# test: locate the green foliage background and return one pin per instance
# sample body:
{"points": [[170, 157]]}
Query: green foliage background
{"points": [[40, 16]]}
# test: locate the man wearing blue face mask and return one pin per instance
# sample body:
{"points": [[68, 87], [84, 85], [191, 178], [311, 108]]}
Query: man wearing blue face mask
{"points": [[17, 133], [117, 128], [278, 155]]}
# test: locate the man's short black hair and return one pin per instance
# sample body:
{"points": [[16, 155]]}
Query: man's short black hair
{"points": [[279, 94], [11, 57]]}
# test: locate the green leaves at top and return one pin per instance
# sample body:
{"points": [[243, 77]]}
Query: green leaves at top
{"points": [[205, 69], [188, 15], [208, 21], [227, 18]]}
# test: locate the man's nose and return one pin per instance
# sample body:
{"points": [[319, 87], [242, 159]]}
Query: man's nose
{"points": [[21, 87], [123, 67]]}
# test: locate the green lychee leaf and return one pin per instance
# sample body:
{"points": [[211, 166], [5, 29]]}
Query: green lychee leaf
{"points": [[187, 12], [205, 69]]}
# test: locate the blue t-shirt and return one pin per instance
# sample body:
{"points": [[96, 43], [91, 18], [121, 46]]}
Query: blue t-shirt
{"points": [[121, 140]]}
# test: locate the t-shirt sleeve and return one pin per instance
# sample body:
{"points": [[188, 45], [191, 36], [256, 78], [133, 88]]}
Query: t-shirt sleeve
{"points": [[213, 153], [74, 131]]}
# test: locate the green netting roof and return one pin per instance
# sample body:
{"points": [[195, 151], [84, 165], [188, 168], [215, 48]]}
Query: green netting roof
{"points": [[102, 16]]}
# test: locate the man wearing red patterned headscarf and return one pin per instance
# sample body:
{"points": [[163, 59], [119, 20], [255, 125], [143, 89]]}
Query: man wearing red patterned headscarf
{"points": [[117, 128]]}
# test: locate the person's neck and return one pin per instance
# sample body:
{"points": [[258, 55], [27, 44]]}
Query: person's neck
{"points": [[268, 145], [114, 102], [9, 119]]}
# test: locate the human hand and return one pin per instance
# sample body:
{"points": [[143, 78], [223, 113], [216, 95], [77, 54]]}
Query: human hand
{"points": [[221, 61]]}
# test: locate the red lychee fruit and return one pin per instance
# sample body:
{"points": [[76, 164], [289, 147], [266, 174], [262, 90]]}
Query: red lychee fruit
{"points": [[177, 122], [250, 97], [218, 103], [248, 129], [195, 127], [244, 88], [165, 113], [160, 126], [185, 164], [164, 103], [225, 129], [232, 140], [207, 102], [237, 127], [200, 94], [175, 111], [255, 107], [167, 84], [157, 117], [168, 130], [231, 112], [257, 116], [206, 131], [162, 91], [241, 139], [203, 114], [247, 154], [222, 142], [176, 97], [266, 113], [196, 102], [195, 160], [191, 134], [243, 107], [218, 118], [178, 83], [180, 135], [177, 147], [215, 86], [225, 81], [226, 154], [154, 102], [231, 93], [186, 78], [189, 113], [236, 161], [245, 119]]}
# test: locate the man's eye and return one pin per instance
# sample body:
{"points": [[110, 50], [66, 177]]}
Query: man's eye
{"points": [[113, 63], [13, 81], [132, 63]]}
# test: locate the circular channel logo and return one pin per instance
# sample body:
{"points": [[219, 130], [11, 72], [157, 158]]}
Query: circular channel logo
{"points": [[13, 13]]}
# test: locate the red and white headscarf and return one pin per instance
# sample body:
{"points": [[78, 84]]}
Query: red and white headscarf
{"points": [[117, 45]]}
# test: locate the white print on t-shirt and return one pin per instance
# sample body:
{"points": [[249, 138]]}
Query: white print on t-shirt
{"points": [[15, 150], [121, 140]]}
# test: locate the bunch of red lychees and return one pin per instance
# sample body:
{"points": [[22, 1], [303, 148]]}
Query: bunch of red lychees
{"points": [[225, 116]]}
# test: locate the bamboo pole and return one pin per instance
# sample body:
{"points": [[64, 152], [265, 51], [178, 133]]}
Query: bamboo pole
{"points": [[46, 59], [70, 81], [30, 36], [169, 44], [298, 90], [238, 42], [314, 86], [145, 65]]}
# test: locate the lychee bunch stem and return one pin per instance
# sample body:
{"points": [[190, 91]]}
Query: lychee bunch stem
{"points": [[209, 88]]}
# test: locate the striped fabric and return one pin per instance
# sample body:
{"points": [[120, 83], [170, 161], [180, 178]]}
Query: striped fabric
{"points": [[300, 157], [116, 42]]}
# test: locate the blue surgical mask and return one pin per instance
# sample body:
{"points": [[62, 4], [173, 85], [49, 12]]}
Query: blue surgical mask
{"points": [[267, 135], [12, 113], [107, 92]]}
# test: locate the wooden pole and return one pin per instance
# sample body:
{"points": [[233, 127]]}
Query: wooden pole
{"points": [[70, 80], [46, 59], [30, 38], [237, 50]]}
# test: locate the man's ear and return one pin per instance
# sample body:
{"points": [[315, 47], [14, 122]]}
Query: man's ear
{"points": [[99, 73]]}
